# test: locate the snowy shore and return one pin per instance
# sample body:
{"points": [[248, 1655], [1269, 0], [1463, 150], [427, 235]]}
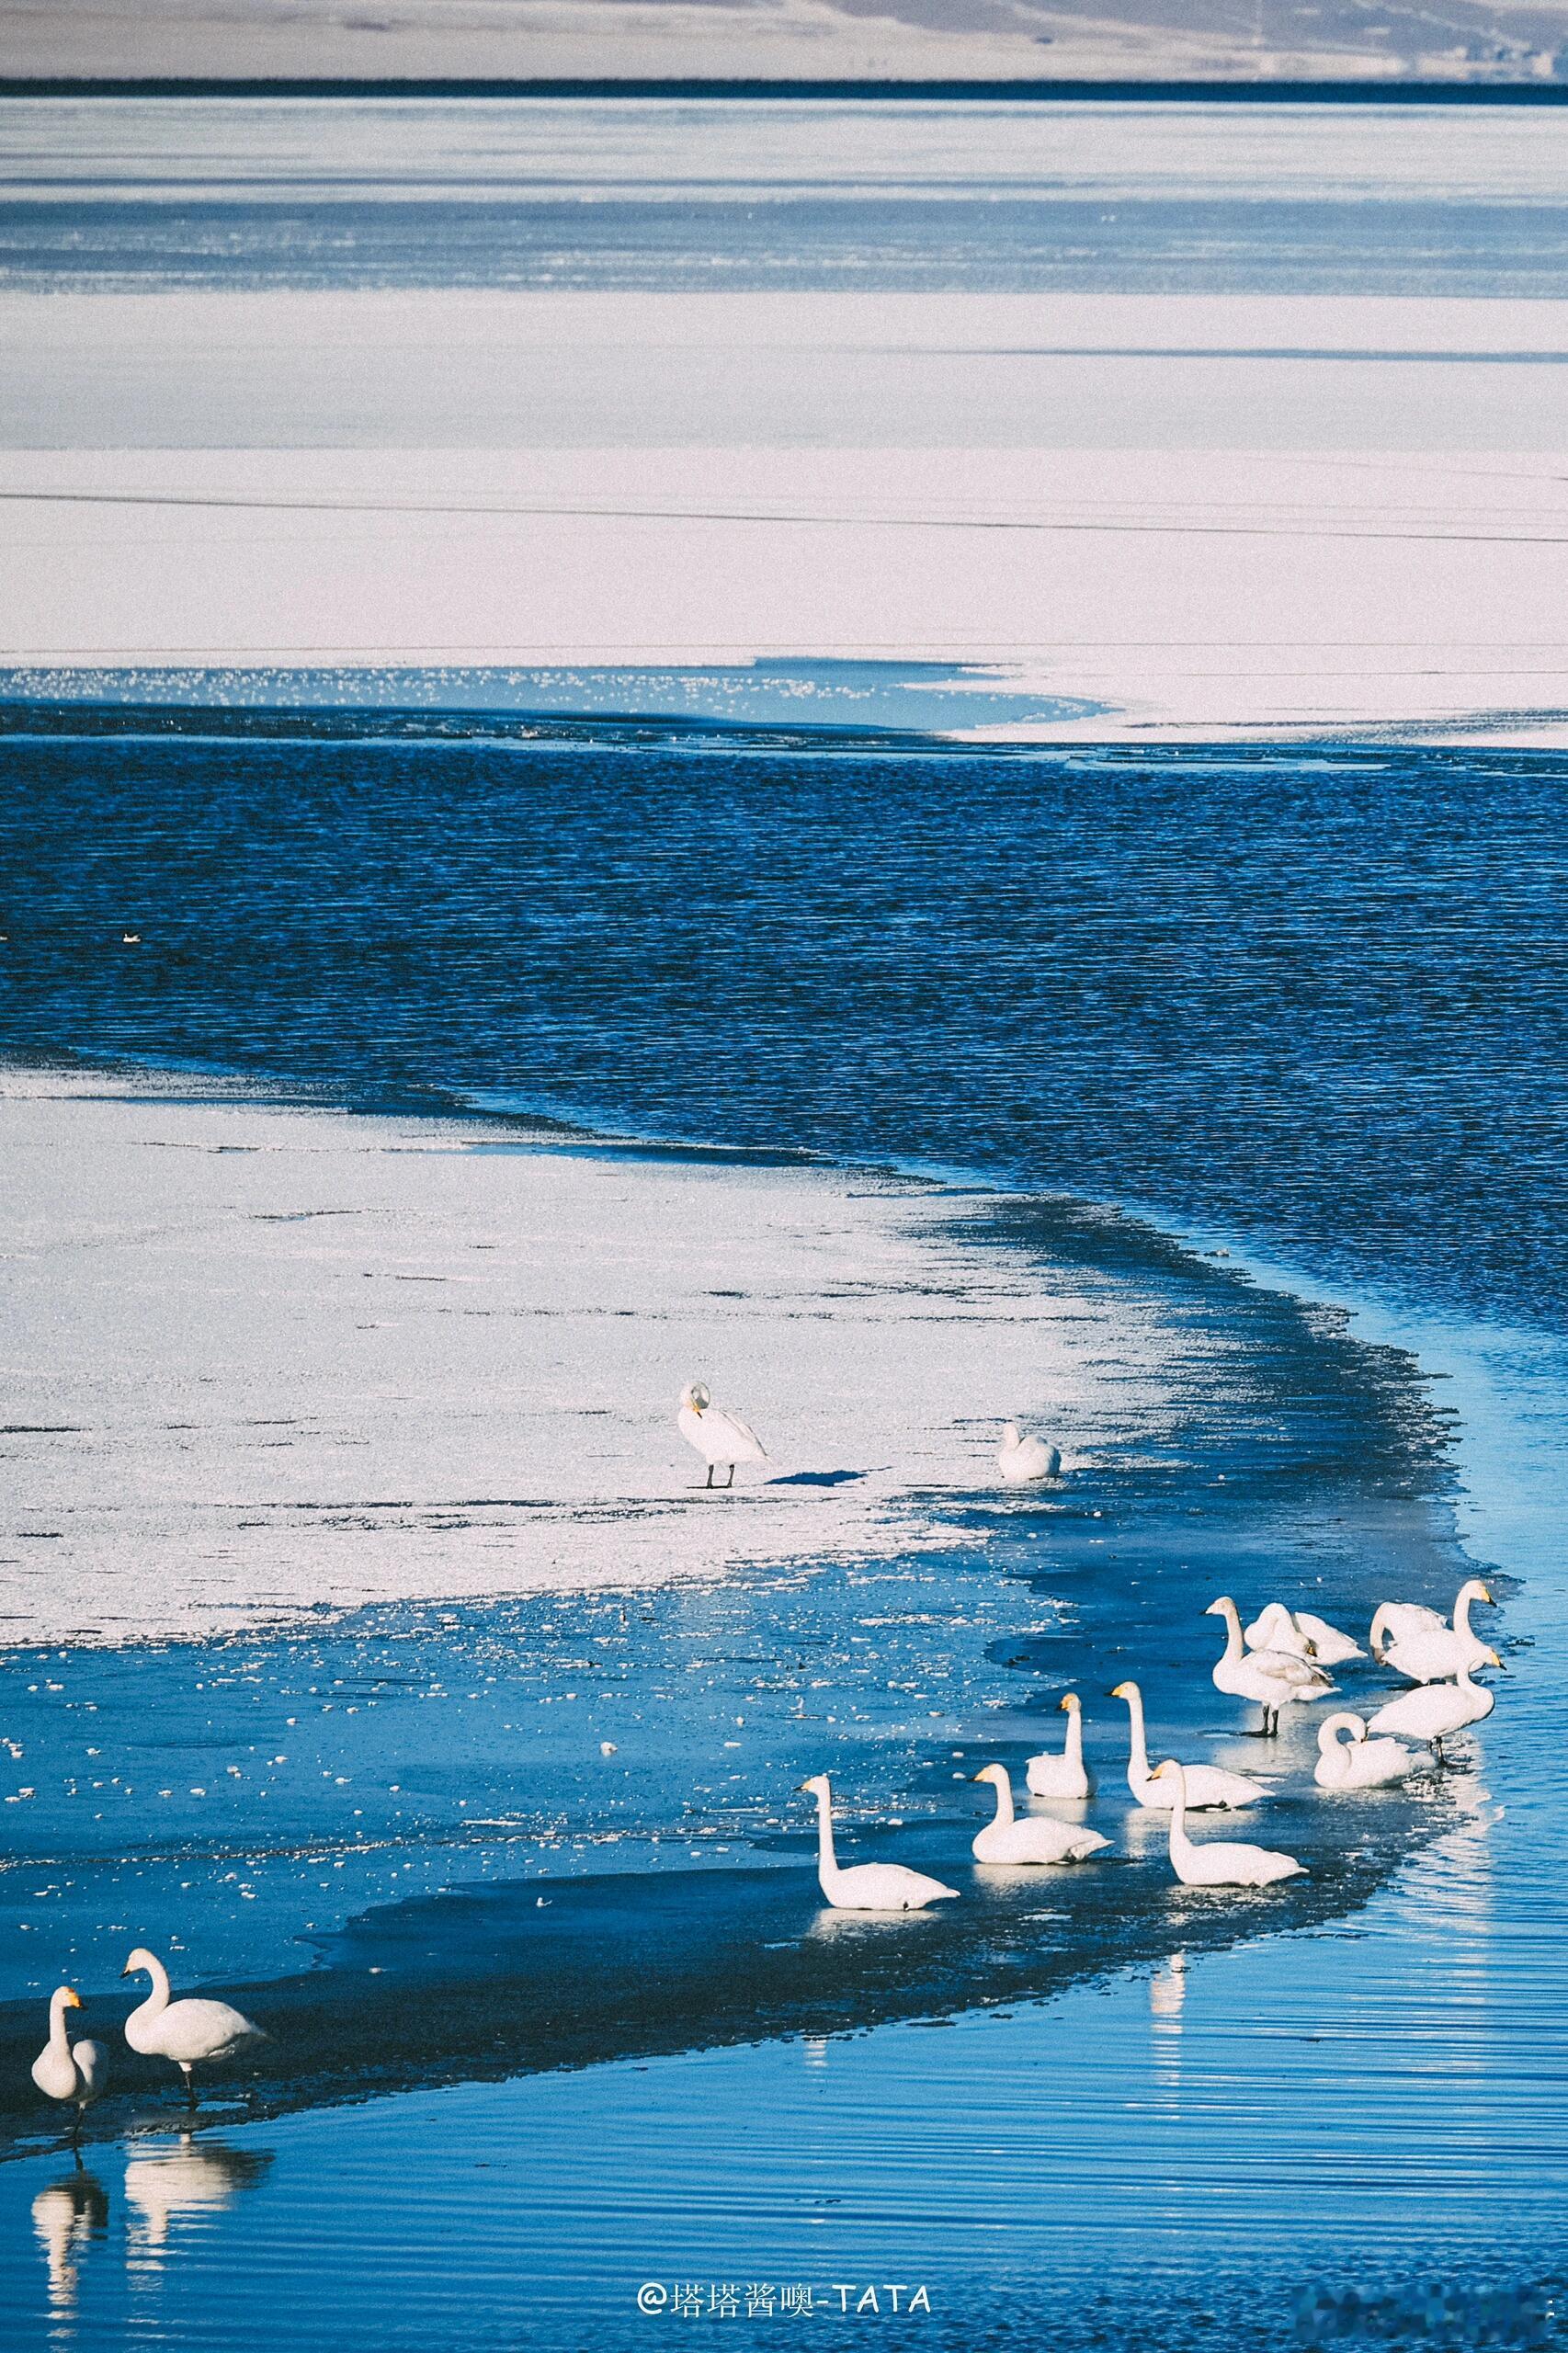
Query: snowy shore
{"points": [[266, 1360]]}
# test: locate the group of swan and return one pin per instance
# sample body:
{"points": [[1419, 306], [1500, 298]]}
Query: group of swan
{"points": [[1280, 1661], [1039, 1839], [723, 1439], [1422, 1646], [193, 2033]]}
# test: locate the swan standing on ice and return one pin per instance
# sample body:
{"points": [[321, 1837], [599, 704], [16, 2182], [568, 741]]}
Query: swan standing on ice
{"points": [[1067, 1776], [1218, 1862], [1275, 1679], [1207, 1785], [1423, 1649], [192, 2032], [1437, 1709], [1024, 1462], [1358, 1763], [65, 2070], [1039, 1839], [1298, 1631], [720, 1436], [865, 1887]]}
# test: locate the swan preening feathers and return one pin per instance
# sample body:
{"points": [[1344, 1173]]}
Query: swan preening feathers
{"points": [[1358, 1763], [192, 2032], [1024, 1462], [65, 2070], [1066, 1776], [1038, 1838], [1298, 1631], [1422, 1646], [1275, 1679], [720, 1436]]}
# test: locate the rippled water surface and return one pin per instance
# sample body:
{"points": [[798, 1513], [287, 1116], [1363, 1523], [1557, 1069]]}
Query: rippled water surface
{"points": [[813, 193], [1317, 1000], [1311, 1004]]}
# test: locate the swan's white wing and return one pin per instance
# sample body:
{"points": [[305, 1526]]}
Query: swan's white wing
{"points": [[738, 1434], [194, 2029], [1207, 1785]]}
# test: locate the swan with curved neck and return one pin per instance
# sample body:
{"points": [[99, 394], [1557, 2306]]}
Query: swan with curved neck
{"points": [[1358, 1763], [1066, 1776], [1038, 1838], [1275, 1679], [1419, 1645], [720, 1436], [1303, 1635], [865, 1887], [64, 2070], [1024, 1462], [192, 2032], [1218, 1862], [1207, 1785], [1436, 1710]]}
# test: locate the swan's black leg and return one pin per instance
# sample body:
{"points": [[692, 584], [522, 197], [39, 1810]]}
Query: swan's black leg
{"points": [[189, 2087], [709, 1480], [731, 1480]]}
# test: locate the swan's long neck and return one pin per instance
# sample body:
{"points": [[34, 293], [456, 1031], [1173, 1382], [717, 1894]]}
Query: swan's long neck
{"points": [[1461, 1612], [158, 1999], [1004, 1788], [1233, 1632], [1379, 1627], [1179, 1843], [57, 2037], [828, 1861], [1138, 1746], [1074, 1750]]}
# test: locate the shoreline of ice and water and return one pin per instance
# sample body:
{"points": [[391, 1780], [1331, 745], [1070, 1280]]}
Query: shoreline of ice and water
{"points": [[335, 1792]]}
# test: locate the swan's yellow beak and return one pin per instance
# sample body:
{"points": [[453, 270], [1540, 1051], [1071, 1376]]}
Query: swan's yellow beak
{"points": [[73, 1999], [1119, 1691], [1486, 1594]]}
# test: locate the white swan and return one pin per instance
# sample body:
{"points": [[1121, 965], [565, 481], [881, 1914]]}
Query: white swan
{"points": [[1067, 1776], [1436, 1710], [1039, 1838], [1275, 1679], [1358, 1763], [1218, 1862], [65, 2070], [1298, 1631], [1207, 1785], [192, 2032], [1430, 1654], [1024, 1462], [720, 1436], [865, 1887]]}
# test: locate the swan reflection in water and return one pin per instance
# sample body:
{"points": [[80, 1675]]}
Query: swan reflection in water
{"points": [[1168, 1992], [191, 2178], [67, 2216]]}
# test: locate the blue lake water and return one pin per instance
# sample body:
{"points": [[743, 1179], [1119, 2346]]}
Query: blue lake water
{"points": [[1300, 1006], [1304, 1006]]}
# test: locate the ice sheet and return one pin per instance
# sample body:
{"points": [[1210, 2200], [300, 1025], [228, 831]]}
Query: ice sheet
{"points": [[263, 1361]]}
